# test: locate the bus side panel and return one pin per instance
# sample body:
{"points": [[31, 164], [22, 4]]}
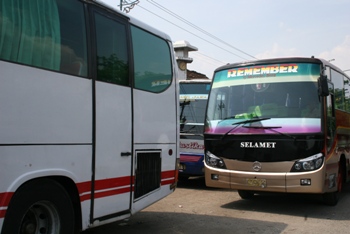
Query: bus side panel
{"points": [[113, 138], [191, 157], [73, 162], [167, 176], [156, 128], [153, 123], [46, 107], [45, 126]]}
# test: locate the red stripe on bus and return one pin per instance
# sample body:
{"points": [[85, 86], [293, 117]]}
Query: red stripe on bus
{"points": [[85, 197], [168, 174], [165, 182], [167, 177], [112, 183], [106, 193], [84, 187], [112, 192], [190, 158], [4, 202], [2, 214]]}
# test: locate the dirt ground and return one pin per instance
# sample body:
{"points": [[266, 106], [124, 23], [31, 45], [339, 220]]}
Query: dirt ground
{"points": [[194, 208]]}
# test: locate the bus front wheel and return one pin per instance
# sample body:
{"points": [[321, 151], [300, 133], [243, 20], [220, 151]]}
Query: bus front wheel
{"points": [[333, 198], [40, 206], [244, 194]]}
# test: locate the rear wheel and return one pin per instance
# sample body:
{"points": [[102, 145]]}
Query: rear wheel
{"points": [[40, 206], [244, 194]]}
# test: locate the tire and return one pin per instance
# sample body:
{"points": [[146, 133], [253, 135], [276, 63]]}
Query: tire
{"points": [[183, 178], [40, 206], [244, 194], [332, 199]]}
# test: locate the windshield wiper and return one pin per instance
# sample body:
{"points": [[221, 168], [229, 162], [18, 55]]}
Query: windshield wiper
{"points": [[243, 122], [250, 121], [272, 128], [262, 127]]}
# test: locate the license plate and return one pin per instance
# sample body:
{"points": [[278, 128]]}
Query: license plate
{"points": [[257, 182]]}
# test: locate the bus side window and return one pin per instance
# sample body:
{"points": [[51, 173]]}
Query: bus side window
{"points": [[337, 80], [330, 121], [152, 61], [46, 34], [346, 94], [73, 38], [30, 33], [112, 51]]}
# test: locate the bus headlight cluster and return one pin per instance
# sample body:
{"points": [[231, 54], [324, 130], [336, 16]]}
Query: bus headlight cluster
{"points": [[214, 161], [311, 163]]}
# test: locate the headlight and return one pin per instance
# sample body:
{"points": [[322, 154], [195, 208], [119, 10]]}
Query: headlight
{"points": [[311, 163], [213, 161]]}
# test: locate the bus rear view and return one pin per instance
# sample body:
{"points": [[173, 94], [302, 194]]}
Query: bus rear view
{"points": [[278, 125]]}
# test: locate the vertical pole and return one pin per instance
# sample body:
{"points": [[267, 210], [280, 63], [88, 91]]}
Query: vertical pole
{"points": [[121, 5]]}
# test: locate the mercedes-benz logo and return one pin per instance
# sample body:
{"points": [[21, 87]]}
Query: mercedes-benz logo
{"points": [[256, 166]]}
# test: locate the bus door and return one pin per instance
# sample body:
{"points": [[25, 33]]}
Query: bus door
{"points": [[113, 118]]}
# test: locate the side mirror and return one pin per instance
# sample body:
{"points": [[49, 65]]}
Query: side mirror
{"points": [[323, 90]]}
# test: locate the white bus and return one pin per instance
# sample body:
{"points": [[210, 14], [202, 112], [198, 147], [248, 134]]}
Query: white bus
{"points": [[279, 125], [88, 126], [193, 101]]}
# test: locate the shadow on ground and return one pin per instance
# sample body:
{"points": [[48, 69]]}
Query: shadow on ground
{"points": [[165, 222]]}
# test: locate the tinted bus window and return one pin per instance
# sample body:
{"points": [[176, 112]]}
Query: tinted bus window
{"points": [[152, 61], [112, 53], [46, 34]]}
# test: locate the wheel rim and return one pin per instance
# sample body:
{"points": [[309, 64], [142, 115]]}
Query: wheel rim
{"points": [[41, 218]]}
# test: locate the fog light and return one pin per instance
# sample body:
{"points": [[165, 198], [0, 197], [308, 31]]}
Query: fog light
{"points": [[305, 182], [214, 177]]}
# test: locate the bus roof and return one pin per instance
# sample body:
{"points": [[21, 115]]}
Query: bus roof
{"points": [[132, 20], [196, 81], [280, 60]]}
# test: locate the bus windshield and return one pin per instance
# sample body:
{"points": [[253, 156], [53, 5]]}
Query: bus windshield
{"points": [[283, 98], [193, 101]]}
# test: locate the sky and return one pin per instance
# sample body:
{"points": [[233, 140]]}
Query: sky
{"points": [[230, 31]]}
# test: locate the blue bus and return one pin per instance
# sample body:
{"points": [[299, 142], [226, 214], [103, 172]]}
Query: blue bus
{"points": [[193, 101]]}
